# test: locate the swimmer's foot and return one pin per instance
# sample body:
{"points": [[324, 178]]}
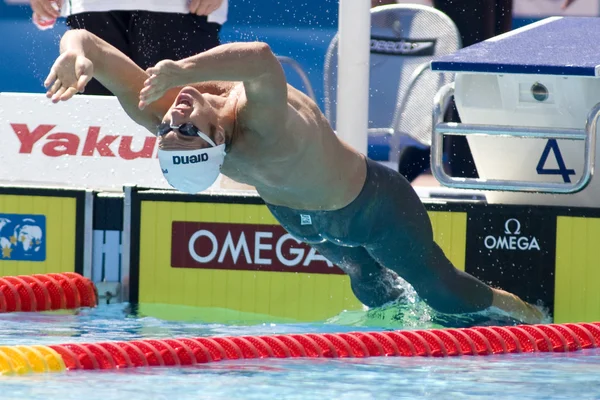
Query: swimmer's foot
{"points": [[516, 308]]}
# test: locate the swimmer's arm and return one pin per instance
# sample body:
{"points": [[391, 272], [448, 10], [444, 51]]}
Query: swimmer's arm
{"points": [[252, 63], [119, 74]]}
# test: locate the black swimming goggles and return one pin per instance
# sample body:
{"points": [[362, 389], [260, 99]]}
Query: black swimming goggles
{"points": [[187, 129]]}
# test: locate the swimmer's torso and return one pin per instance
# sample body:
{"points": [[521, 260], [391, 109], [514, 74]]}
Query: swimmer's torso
{"points": [[305, 166]]}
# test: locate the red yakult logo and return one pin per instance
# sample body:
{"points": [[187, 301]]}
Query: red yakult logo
{"points": [[56, 144], [243, 247]]}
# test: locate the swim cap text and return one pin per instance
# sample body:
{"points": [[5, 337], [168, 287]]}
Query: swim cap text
{"points": [[193, 159]]}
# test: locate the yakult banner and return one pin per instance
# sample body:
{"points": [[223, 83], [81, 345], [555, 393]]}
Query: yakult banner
{"points": [[87, 142]]}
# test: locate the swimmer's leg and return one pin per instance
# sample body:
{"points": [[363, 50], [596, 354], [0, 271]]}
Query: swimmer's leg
{"points": [[444, 287], [371, 283], [401, 239]]}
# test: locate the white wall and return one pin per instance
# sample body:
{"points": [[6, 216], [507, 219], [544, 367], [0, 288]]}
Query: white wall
{"points": [[542, 8], [547, 8]]}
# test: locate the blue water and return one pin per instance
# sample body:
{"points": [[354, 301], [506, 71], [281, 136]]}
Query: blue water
{"points": [[538, 376]]}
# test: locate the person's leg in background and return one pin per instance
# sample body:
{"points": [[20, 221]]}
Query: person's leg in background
{"points": [[476, 20], [112, 27], [503, 16], [157, 36], [413, 161]]}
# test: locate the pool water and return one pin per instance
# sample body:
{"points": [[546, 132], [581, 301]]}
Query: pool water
{"points": [[523, 376]]}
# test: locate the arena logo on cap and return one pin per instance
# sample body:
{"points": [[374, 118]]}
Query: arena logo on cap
{"points": [[22, 237], [193, 159], [243, 247], [512, 238]]}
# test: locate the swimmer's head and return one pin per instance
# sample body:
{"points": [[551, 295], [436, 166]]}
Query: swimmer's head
{"points": [[191, 144], [190, 106]]}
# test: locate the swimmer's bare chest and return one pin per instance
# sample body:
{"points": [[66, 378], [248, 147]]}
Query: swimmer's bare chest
{"points": [[304, 167]]}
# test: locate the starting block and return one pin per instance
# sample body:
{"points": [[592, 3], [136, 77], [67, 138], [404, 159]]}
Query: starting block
{"points": [[529, 103]]}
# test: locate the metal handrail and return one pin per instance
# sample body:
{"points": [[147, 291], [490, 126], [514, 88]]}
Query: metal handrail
{"points": [[298, 69], [588, 135]]}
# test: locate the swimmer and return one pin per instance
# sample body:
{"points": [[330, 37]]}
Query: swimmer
{"points": [[230, 110]]}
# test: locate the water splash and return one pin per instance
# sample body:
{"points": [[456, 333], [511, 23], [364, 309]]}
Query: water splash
{"points": [[411, 312]]}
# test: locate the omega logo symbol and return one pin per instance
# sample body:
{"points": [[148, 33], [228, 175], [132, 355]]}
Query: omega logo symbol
{"points": [[512, 239]]}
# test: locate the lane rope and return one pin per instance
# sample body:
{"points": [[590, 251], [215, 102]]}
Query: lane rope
{"points": [[477, 341], [46, 292]]}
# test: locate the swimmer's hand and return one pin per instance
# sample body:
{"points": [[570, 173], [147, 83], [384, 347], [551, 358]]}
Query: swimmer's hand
{"points": [[203, 7], [68, 76], [46, 9], [165, 75]]}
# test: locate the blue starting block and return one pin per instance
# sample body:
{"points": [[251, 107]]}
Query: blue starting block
{"points": [[529, 102], [554, 46]]}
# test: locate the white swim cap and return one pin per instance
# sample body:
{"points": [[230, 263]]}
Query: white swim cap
{"points": [[192, 171]]}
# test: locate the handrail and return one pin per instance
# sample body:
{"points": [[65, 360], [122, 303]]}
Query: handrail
{"points": [[588, 135]]}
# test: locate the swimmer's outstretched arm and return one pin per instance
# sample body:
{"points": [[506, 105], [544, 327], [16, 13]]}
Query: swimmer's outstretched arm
{"points": [[83, 56], [252, 63]]}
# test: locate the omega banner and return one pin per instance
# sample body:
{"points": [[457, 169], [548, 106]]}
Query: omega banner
{"points": [[243, 247], [86, 142], [514, 249]]}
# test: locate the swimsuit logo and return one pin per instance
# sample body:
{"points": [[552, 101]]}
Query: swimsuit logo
{"points": [[165, 171], [305, 219], [195, 159], [512, 239]]}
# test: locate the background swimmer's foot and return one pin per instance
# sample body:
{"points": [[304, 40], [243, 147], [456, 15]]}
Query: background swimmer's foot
{"points": [[516, 308]]}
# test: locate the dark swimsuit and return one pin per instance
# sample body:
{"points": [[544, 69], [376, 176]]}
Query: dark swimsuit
{"points": [[386, 228]]}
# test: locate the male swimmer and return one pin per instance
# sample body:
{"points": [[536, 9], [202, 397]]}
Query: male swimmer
{"points": [[230, 110]]}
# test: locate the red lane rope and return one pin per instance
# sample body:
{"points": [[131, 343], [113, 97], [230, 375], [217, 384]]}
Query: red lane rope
{"points": [[24, 292], [11, 297], [425, 343], [58, 300], [46, 292], [41, 293]]}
